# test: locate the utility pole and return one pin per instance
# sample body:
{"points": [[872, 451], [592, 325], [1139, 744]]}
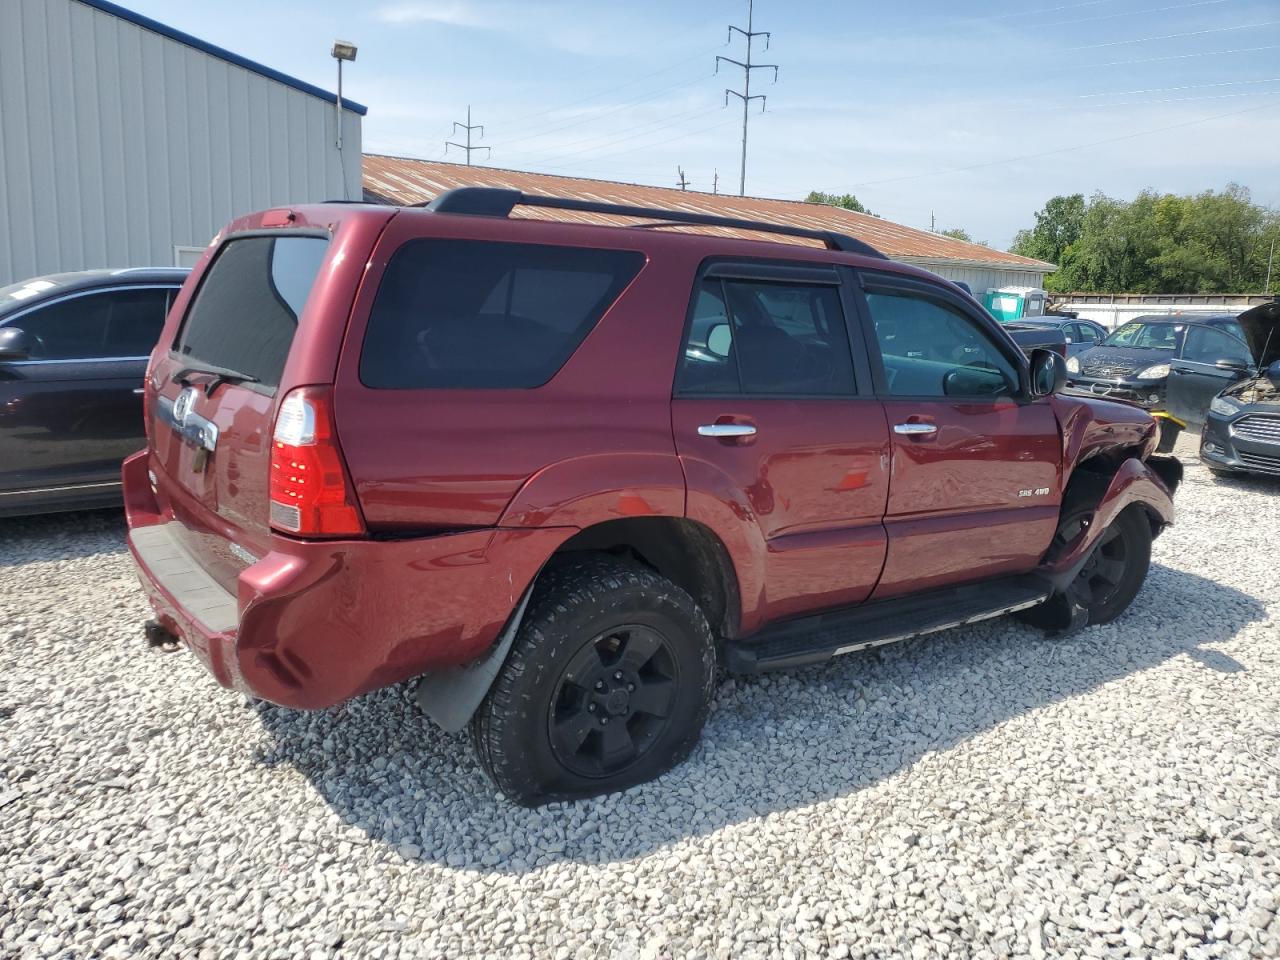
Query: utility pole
{"points": [[468, 127], [933, 223], [1270, 257], [745, 96], [715, 182], [682, 183]]}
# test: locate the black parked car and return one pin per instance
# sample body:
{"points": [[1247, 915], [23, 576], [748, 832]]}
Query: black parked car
{"points": [[1135, 362], [73, 352], [1080, 334], [1241, 425]]}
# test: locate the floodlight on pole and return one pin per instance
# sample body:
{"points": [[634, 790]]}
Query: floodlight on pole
{"points": [[342, 50]]}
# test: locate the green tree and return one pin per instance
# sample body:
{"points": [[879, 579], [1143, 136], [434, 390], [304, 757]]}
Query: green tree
{"points": [[847, 200], [1058, 226], [960, 233], [1211, 242]]}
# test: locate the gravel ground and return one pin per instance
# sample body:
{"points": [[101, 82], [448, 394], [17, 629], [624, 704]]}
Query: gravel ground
{"points": [[986, 792]]}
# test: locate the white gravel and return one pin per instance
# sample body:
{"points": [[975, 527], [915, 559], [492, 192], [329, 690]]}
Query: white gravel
{"points": [[986, 792]]}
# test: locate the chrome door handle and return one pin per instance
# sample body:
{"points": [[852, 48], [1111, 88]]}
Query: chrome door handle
{"points": [[726, 430], [137, 390], [915, 429]]}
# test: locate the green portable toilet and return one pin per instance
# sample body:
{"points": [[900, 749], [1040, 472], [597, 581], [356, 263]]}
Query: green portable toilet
{"points": [[1015, 303]]}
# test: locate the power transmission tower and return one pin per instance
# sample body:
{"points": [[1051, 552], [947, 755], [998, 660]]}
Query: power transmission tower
{"points": [[682, 183], [715, 182], [746, 96], [468, 127]]}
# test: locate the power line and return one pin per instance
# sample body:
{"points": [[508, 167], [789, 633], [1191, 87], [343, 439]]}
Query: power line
{"points": [[468, 127], [596, 143], [745, 96], [525, 119], [1067, 149], [1175, 56], [656, 143], [646, 98], [1188, 86], [597, 116], [1176, 36], [1132, 13]]}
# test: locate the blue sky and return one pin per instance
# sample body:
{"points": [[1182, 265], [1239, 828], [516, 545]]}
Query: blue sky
{"points": [[963, 111]]}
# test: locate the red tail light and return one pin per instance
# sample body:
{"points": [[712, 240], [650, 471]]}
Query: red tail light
{"points": [[311, 494]]}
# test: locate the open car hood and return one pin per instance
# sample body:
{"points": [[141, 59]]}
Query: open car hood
{"points": [[1261, 326]]}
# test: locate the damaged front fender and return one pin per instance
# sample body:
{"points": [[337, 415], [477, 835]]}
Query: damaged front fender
{"points": [[1149, 485]]}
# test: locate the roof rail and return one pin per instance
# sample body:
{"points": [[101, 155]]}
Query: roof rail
{"points": [[499, 202]]}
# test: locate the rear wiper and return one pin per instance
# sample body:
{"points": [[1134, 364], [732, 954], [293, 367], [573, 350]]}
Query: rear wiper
{"points": [[220, 375]]}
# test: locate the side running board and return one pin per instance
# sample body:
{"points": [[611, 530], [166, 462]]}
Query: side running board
{"points": [[814, 639]]}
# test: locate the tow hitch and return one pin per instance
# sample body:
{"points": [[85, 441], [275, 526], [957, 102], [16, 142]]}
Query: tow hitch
{"points": [[158, 637]]}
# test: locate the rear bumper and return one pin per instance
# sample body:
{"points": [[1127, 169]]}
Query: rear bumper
{"points": [[314, 623]]}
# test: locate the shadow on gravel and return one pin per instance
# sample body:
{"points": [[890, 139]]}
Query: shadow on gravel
{"points": [[61, 536], [772, 744]]}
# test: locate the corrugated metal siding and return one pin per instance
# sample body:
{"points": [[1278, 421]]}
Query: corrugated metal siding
{"points": [[981, 279], [118, 145]]}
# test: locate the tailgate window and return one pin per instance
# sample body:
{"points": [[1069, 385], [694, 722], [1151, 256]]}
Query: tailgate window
{"points": [[481, 314], [246, 311]]}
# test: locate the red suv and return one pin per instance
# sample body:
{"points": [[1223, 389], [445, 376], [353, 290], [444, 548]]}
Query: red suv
{"points": [[561, 471]]}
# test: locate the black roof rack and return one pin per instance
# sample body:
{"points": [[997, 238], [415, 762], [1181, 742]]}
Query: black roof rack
{"points": [[499, 202]]}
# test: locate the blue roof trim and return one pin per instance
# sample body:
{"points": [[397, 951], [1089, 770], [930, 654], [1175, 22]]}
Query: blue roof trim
{"points": [[156, 26]]}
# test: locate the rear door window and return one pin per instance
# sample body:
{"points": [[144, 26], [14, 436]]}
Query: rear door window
{"points": [[246, 311], [135, 321], [759, 338], [482, 315]]}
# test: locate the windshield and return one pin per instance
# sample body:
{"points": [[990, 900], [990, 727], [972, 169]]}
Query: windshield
{"points": [[1147, 336]]}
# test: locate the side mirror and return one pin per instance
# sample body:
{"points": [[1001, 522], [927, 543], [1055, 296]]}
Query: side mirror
{"points": [[720, 339], [14, 344], [1048, 372], [1235, 366]]}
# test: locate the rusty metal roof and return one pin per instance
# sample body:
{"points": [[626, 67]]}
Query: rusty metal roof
{"points": [[401, 180]]}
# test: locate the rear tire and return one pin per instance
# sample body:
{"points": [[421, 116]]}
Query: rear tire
{"points": [[1111, 577], [607, 685]]}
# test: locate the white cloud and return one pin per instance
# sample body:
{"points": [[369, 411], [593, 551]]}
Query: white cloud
{"points": [[456, 13]]}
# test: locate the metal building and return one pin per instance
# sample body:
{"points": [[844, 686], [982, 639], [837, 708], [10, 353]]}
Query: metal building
{"points": [[400, 180], [124, 142]]}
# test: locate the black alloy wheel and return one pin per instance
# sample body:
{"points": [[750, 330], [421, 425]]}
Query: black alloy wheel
{"points": [[607, 684], [613, 701], [1110, 578]]}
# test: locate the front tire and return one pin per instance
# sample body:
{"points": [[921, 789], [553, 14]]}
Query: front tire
{"points": [[1110, 579], [607, 685]]}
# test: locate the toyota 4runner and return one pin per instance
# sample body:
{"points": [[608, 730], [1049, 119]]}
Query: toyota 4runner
{"points": [[561, 472]]}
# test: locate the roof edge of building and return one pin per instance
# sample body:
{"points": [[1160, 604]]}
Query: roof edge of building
{"points": [[1006, 261], [164, 30], [1034, 266]]}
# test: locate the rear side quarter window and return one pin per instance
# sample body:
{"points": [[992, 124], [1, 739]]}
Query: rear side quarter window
{"points": [[478, 314]]}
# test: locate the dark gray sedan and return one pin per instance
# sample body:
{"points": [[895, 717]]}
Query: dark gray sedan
{"points": [[73, 352], [1080, 334]]}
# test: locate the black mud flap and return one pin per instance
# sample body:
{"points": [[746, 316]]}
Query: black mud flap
{"points": [[1168, 469]]}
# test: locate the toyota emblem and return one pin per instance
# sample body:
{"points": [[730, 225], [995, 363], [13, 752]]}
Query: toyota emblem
{"points": [[182, 406]]}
